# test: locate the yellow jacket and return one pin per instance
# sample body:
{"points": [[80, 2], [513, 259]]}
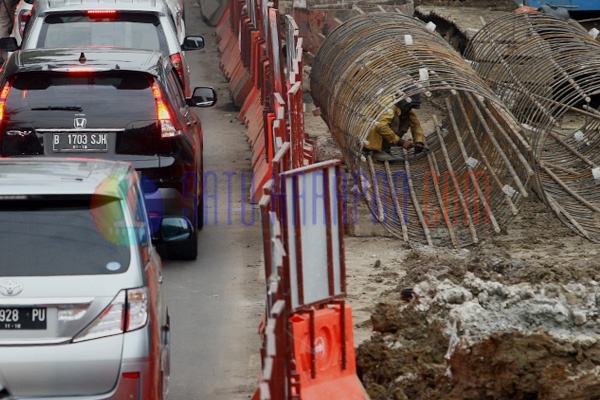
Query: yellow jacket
{"points": [[392, 126]]}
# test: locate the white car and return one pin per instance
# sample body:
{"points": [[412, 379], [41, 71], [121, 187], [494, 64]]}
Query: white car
{"points": [[137, 24], [23, 11], [83, 313]]}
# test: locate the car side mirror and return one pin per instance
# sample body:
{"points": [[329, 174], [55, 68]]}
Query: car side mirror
{"points": [[8, 44], [193, 42], [175, 229], [4, 394], [203, 96]]}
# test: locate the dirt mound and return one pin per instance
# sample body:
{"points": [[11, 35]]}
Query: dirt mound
{"points": [[512, 318]]}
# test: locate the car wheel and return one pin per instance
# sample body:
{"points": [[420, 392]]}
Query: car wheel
{"points": [[184, 250]]}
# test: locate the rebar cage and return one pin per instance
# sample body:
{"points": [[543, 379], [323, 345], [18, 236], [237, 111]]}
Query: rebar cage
{"points": [[472, 181], [547, 71]]}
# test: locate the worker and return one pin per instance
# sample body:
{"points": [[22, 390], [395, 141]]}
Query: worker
{"points": [[391, 127]]}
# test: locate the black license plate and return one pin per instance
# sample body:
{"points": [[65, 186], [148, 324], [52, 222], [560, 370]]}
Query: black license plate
{"points": [[77, 142], [21, 318]]}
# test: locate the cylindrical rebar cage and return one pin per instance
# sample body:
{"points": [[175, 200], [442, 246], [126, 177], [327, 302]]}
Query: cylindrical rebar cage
{"points": [[477, 172], [547, 71]]}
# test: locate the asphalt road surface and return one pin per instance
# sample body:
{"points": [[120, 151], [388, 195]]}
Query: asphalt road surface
{"points": [[216, 302]]}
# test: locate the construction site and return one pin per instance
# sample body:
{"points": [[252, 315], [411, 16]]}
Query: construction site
{"points": [[471, 268], [510, 315]]}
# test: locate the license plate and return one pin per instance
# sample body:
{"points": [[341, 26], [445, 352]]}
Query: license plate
{"points": [[76, 142], [23, 318]]}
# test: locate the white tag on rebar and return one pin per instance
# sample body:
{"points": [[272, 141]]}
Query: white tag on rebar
{"points": [[528, 127], [581, 138], [596, 175], [365, 183], [430, 26], [408, 40], [472, 162], [509, 190], [424, 75], [594, 33]]}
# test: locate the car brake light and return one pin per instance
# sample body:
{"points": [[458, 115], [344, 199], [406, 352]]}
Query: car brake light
{"points": [[23, 16], [167, 129], [101, 15], [127, 312], [80, 70], [176, 60], [3, 96]]}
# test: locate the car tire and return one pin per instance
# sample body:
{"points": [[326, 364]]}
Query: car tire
{"points": [[165, 372], [185, 250]]}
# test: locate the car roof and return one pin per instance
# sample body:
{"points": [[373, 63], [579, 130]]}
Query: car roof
{"points": [[156, 6], [66, 176], [81, 59]]}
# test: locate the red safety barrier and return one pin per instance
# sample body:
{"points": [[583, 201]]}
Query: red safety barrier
{"points": [[223, 28], [268, 90], [230, 54], [324, 354]]}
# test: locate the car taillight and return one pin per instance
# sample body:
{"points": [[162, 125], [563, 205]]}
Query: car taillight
{"points": [[3, 96], [176, 60], [23, 16], [127, 312], [167, 129]]}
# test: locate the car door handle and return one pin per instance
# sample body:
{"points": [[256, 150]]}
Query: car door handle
{"points": [[188, 123]]}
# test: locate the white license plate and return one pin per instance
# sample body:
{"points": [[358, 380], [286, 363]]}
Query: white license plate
{"points": [[76, 142]]}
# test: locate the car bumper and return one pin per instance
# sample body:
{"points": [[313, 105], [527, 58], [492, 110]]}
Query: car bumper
{"points": [[115, 367]]}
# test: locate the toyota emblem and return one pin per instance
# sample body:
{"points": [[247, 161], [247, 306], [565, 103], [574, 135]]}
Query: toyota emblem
{"points": [[10, 287]]}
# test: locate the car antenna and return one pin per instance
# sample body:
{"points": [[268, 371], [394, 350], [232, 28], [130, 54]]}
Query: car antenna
{"points": [[82, 58]]}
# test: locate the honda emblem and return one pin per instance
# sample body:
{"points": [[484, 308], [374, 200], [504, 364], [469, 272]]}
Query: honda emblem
{"points": [[80, 123]]}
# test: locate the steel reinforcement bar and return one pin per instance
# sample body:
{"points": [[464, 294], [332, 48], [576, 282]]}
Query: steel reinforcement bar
{"points": [[547, 71], [472, 181]]}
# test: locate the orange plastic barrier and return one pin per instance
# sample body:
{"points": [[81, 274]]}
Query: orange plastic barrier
{"points": [[326, 365]]}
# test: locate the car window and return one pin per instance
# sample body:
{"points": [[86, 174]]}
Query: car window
{"points": [[175, 92], [52, 99], [62, 235], [127, 30], [136, 203]]}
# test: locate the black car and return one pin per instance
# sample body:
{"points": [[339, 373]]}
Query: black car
{"points": [[115, 104]]}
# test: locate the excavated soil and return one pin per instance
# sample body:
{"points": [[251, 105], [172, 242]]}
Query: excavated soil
{"points": [[514, 317]]}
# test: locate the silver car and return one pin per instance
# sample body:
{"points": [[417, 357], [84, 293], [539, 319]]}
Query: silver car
{"points": [[135, 24], [82, 313], [23, 12]]}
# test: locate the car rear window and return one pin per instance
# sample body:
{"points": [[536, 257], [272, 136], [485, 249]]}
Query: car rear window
{"points": [[46, 236], [50, 100], [120, 29]]}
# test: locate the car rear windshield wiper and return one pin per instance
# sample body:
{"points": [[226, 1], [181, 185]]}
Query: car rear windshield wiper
{"points": [[58, 108]]}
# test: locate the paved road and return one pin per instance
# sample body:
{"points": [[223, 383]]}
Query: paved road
{"points": [[216, 302]]}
